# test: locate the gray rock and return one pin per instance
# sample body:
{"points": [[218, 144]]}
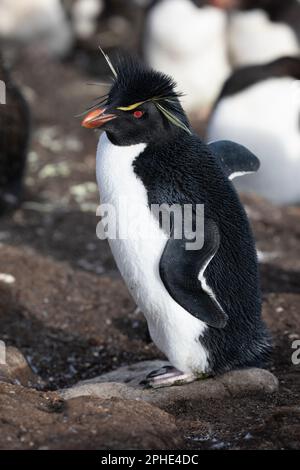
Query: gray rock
{"points": [[125, 383], [239, 382]]}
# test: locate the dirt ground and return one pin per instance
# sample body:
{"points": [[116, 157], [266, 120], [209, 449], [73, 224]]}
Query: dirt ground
{"points": [[69, 312]]}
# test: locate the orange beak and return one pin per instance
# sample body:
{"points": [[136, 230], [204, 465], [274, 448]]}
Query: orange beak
{"points": [[97, 118]]}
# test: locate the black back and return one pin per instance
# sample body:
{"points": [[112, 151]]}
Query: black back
{"points": [[245, 77], [183, 170]]}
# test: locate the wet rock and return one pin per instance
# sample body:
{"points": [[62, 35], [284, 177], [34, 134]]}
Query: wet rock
{"points": [[36, 420], [125, 383], [15, 369]]}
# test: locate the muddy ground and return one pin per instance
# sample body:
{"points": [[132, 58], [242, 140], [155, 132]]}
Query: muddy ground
{"points": [[70, 314]]}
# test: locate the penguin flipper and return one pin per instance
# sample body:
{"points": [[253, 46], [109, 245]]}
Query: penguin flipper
{"points": [[182, 272], [235, 158]]}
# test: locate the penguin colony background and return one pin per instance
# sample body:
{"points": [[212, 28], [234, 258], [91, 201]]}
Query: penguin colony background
{"points": [[217, 37], [203, 307]]}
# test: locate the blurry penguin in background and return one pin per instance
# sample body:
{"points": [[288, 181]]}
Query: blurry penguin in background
{"points": [[14, 139], [255, 39], [41, 22], [261, 30], [189, 43], [284, 11], [259, 107], [84, 15]]}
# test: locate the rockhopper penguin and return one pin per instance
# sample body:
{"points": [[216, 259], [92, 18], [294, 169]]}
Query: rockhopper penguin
{"points": [[203, 306]]}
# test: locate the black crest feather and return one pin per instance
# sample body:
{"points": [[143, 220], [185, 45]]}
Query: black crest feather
{"points": [[136, 82]]}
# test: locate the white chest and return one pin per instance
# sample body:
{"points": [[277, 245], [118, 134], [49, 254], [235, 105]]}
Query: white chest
{"points": [[139, 243], [137, 251]]}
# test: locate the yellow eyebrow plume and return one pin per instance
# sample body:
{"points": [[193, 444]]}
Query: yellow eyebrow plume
{"points": [[167, 113], [131, 106]]}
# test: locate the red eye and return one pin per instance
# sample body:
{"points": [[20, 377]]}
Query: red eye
{"points": [[138, 114]]}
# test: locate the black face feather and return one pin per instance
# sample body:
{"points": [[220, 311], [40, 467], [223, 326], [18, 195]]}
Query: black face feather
{"points": [[247, 76]]}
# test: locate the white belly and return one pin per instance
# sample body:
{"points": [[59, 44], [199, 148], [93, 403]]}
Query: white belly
{"points": [[172, 328]]}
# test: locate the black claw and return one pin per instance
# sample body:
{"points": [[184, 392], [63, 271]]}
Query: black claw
{"points": [[154, 373], [145, 383]]}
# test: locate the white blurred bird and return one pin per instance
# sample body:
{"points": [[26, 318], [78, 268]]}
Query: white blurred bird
{"points": [[189, 43], [42, 22], [259, 107], [255, 39], [84, 15], [261, 30]]}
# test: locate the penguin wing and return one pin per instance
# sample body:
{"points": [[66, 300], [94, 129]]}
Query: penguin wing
{"points": [[182, 272], [236, 159]]}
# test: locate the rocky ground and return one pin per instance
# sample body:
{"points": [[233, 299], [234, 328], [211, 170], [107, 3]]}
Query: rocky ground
{"points": [[65, 308]]}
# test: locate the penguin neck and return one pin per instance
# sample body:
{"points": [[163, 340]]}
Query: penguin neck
{"points": [[123, 147], [117, 141]]}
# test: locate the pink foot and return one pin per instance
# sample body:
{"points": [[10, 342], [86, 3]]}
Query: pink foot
{"points": [[167, 376]]}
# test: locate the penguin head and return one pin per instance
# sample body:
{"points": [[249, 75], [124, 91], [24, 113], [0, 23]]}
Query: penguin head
{"points": [[142, 106]]}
